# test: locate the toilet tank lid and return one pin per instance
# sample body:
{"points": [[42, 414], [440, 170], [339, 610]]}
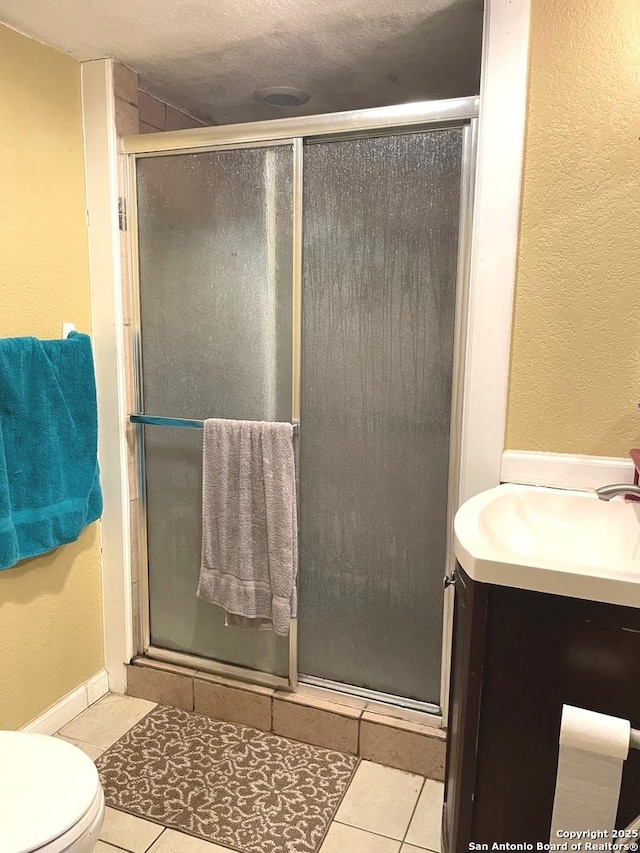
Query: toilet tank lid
{"points": [[46, 786]]}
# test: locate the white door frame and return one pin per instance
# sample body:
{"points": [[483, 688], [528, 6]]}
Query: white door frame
{"points": [[490, 302], [101, 177], [492, 270]]}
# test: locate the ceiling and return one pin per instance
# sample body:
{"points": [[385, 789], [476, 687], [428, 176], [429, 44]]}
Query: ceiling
{"points": [[207, 57]]}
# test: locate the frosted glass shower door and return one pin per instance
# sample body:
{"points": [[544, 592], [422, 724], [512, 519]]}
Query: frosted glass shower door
{"points": [[380, 227], [215, 238]]}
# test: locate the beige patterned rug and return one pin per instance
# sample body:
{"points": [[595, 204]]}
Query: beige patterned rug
{"points": [[226, 783]]}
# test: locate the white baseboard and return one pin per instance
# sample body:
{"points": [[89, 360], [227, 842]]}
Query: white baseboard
{"points": [[70, 706], [564, 470]]}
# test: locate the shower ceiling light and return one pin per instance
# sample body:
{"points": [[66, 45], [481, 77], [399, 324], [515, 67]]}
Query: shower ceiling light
{"points": [[282, 96]]}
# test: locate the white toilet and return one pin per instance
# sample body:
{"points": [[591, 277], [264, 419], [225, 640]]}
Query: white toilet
{"points": [[51, 799]]}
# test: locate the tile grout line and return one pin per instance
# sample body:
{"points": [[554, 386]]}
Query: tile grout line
{"points": [[399, 841], [117, 846], [157, 838], [77, 740], [422, 788], [337, 807]]}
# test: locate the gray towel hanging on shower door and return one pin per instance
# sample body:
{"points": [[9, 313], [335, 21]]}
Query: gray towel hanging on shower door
{"points": [[249, 523]]}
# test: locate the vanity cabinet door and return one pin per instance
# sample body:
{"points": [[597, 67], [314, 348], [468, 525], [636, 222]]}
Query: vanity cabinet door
{"points": [[464, 711], [543, 651]]}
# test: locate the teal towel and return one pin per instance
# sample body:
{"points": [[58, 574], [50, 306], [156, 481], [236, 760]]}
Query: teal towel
{"points": [[49, 482]]}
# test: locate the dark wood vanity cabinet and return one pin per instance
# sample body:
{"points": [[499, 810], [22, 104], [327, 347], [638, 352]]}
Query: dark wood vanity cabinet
{"points": [[518, 656]]}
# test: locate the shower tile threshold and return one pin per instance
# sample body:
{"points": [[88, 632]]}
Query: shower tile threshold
{"points": [[384, 810], [351, 725]]}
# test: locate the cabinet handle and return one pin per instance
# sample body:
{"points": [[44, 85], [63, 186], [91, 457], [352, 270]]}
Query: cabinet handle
{"points": [[449, 580]]}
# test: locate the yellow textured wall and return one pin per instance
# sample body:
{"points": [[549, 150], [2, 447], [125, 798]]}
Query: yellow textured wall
{"points": [[575, 367], [50, 607]]}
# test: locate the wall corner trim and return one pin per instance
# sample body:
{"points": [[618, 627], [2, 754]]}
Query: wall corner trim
{"points": [[494, 241], [492, 262], [101, 174], [564, 470], [74, 703]]}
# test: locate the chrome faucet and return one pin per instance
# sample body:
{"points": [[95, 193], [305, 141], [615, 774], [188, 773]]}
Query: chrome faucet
{"points": [[605, 493]]}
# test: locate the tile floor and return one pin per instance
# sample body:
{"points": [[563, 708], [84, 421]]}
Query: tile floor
{"points": [[383, 811]]}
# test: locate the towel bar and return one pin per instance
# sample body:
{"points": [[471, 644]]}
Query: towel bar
{"points": [[189, 423]]}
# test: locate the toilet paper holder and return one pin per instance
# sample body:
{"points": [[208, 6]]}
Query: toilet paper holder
{"points": [[592, 750]]}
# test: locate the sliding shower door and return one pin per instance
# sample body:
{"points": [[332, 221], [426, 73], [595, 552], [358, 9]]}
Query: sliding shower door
{"points": [[215, 262], [312, 278], [380, 224]]}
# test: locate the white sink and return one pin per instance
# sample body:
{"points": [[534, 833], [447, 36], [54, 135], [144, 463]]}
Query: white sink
{"points": [[552, 540]]}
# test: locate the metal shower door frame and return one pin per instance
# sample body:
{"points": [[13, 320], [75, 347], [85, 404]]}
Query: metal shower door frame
{"points": [[423, 116], [144, 629]]}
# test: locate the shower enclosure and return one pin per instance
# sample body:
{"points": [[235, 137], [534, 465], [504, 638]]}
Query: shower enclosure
{"points": [[311, 270]]}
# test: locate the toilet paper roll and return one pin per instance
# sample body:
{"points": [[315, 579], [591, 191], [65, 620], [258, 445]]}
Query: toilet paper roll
{"points": [[592, 750]]}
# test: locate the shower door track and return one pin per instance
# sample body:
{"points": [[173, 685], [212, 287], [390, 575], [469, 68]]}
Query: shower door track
{"points": [[416, 117], [372, 695]]}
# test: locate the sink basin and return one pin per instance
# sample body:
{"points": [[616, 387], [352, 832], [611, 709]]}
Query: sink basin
{"points": [[552, 540]]}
